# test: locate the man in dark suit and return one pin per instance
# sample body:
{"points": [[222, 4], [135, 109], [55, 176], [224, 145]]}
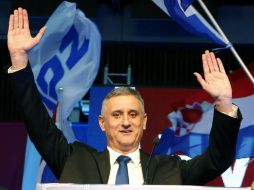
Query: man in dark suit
{"points": [[123, 119]]}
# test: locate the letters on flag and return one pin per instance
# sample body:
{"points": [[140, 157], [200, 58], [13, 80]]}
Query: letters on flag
{"points": [[189, 18], [67, 57], [65, 62]]}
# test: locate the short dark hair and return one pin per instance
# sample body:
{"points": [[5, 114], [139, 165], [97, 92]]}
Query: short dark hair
{"points": [[121, 91]]}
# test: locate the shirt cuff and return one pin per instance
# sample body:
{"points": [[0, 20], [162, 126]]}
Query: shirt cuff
{"points": [[232, 113], [10, 70]]}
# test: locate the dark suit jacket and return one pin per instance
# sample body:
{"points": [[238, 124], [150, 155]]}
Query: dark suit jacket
{"points": [[79, 163]]}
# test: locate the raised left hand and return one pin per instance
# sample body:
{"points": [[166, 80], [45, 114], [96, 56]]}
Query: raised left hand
{"points": [[215, 81]]}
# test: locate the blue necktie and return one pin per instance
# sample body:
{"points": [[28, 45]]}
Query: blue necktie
{"points": [[122, 172]]}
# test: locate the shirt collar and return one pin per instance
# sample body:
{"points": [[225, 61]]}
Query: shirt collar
{"points": [[135, 156]]}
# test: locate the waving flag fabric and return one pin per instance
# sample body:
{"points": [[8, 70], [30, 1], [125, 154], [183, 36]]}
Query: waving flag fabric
{"points": [[189, 18], [191, 122], [65, 64], [67, 57]]}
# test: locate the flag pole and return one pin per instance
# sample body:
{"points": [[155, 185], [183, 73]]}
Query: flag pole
{"points": [[60, 110], [210, 16], [62, 122]]}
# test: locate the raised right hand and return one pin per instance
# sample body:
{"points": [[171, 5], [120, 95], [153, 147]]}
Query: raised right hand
{"points": [[20, 39]]}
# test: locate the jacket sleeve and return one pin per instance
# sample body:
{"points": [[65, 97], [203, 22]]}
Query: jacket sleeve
{"points": [[48, 140], [220, 153]]}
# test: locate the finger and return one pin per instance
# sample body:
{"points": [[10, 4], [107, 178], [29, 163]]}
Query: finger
{"points": [[11, 22], [205, 65], [40, 34], [25, 18], [209, 61], [214, 62], [201, 81], [20, 20], [16, 19], [222, 70]]}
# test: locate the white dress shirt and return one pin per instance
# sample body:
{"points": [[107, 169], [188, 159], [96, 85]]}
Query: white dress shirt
{"points": [[134, 167]]}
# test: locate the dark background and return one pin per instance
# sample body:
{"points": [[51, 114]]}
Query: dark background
{"points": [[138, 33]]}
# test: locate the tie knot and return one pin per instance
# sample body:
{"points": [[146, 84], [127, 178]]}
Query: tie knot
{"points": [[123, 159]]}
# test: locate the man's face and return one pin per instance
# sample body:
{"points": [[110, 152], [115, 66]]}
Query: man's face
{"points": [[124, 122]]}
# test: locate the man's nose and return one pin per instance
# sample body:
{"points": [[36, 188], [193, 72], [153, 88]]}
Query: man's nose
{"points": [[126, 122]]}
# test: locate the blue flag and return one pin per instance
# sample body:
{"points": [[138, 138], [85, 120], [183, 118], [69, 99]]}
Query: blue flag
{"points": [[65, 64], [189, 18]]}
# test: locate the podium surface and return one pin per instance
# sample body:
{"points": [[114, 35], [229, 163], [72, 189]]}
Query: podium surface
{"points": [[59, 186]]}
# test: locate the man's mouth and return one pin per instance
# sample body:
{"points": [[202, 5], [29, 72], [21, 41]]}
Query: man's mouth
{"points": [[126, 131]]}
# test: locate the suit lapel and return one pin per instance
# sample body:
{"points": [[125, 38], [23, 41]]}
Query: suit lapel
{"points": [[151, 168], [144, 159], [102, 159]]}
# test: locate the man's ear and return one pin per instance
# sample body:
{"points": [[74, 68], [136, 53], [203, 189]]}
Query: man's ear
{"points": [[144, 121], [101, 122]]}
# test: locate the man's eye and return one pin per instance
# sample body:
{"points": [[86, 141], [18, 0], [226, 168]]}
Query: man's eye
{"points": [[116, 115], [133, 114]]}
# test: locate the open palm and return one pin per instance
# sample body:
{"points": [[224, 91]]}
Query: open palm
{"points": [[215, 81], [19, 36]]}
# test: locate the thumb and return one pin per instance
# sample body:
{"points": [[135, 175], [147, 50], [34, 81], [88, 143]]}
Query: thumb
{"points": [[40, 34], [200, 79]]}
